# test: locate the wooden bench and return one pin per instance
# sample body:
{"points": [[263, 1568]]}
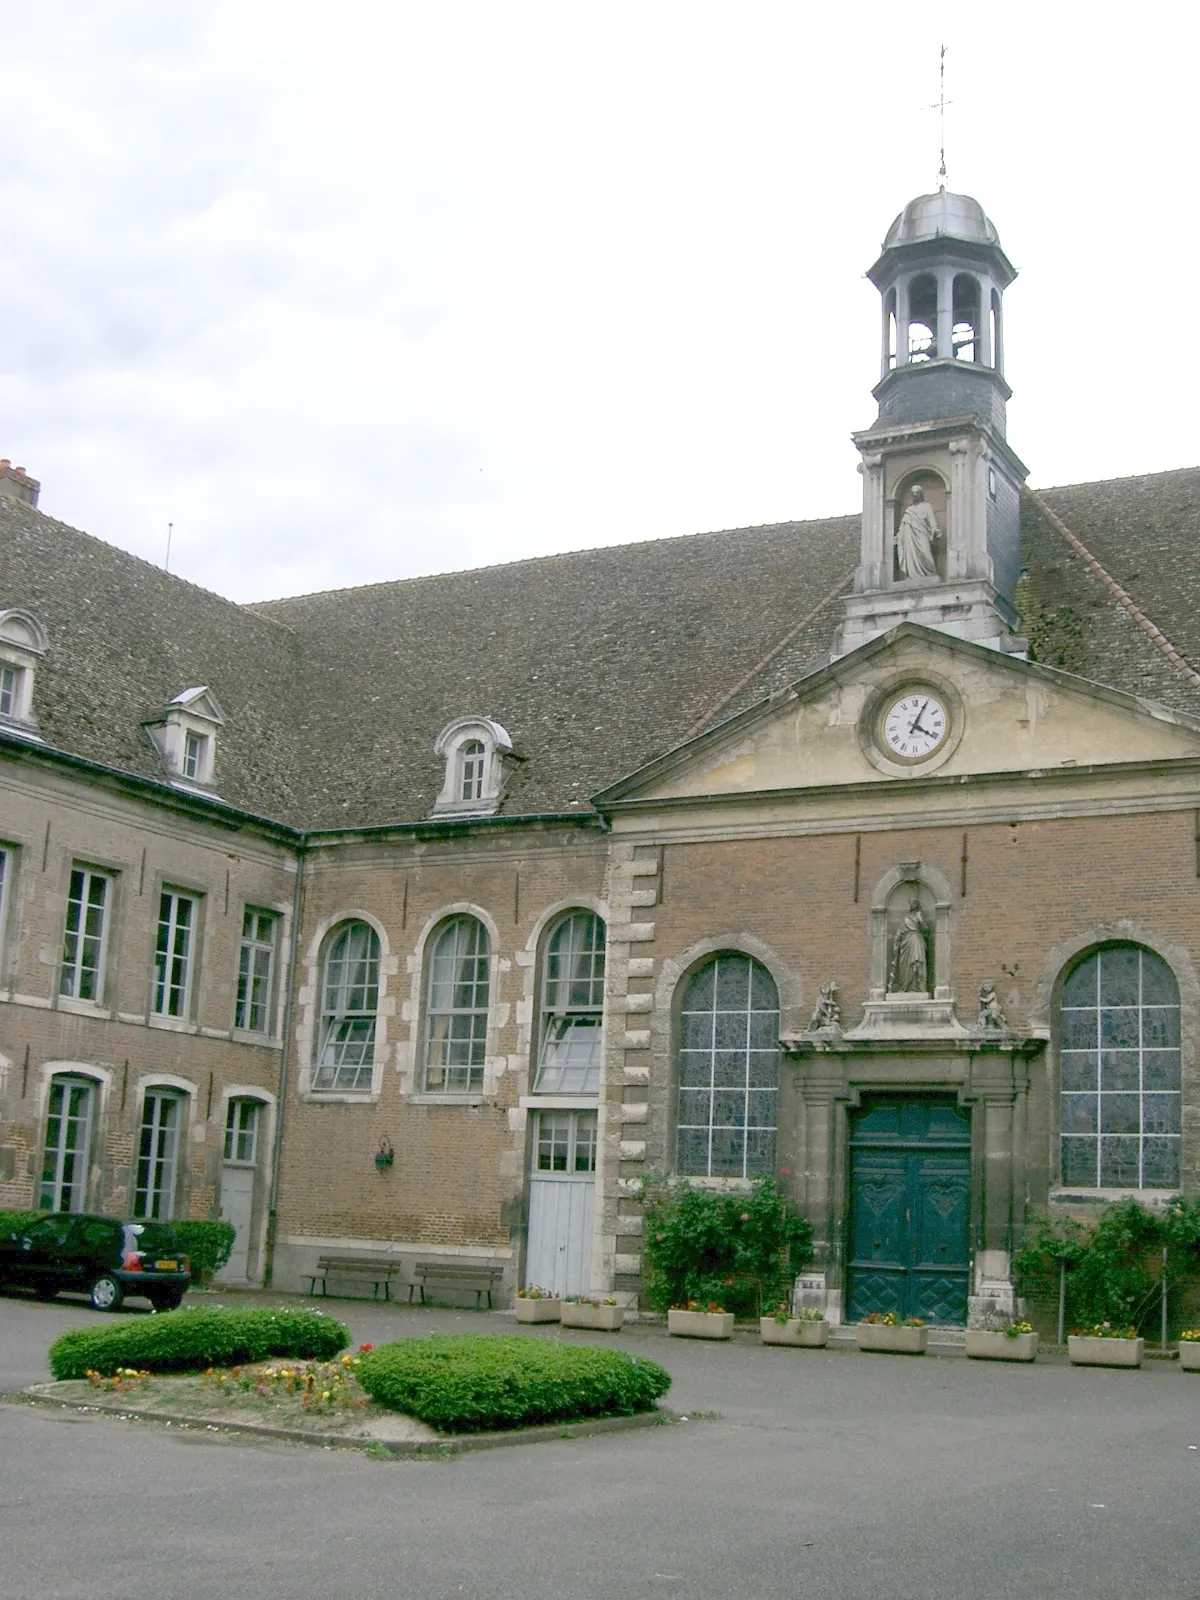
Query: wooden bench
{"points": [[481, 1276], [374, 1270]]}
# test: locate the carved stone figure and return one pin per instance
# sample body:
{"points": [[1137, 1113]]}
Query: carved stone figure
{"points": [[990, 1014], [916, 537], [828, 1013], [910, 955]]}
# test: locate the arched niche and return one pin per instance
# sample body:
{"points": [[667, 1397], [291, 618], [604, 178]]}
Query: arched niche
{"points": [[935, 491], [891, 903]]}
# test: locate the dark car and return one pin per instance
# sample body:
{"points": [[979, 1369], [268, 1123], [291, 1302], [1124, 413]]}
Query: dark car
{"points": [[102, 1257]]}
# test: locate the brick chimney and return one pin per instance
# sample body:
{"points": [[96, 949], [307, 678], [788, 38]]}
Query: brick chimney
{"points": [[16, 484]]}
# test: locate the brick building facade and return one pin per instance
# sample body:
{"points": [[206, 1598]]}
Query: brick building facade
{"points": [[863, 852]]}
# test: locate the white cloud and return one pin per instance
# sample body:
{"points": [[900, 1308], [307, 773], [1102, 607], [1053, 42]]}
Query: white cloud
{"points": [[397, 288]]}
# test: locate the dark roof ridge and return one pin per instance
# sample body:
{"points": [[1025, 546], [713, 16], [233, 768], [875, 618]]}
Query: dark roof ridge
{"points": [[552, 555]]}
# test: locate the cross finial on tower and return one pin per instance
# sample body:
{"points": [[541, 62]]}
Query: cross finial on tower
{"points": [[940, 108]]}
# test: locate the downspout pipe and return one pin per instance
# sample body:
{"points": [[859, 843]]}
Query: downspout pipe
{"points": [[285, 1056]]}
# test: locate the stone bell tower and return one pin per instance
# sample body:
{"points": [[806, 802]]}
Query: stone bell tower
{"points": [[941, 487]]}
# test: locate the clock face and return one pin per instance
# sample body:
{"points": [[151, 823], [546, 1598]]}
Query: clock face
{"points": [[914, 725]]}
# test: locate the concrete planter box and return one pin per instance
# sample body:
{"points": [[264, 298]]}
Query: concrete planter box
{"points": [[700, 1324], [896, 1341], [607, 1319], [1189, 1355], [1085, 1351], [985, 1344], [807, 1335], [538, 1310]]}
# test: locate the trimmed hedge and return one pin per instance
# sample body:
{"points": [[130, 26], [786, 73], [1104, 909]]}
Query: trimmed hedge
{"points": [[182, 1341], [466, 1383], [18, 1221], [207, 1245]]}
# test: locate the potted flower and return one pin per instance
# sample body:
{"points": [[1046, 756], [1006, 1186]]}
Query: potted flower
{"points": [[883, 1330], [1189, 1349], [1007, 1341], [590, 1311], [698, 1319], [1105, 1344], [806, 1327], [537, 1305]]}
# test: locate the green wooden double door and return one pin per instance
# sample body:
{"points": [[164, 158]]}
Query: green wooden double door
{"points": [[910, 1209]]}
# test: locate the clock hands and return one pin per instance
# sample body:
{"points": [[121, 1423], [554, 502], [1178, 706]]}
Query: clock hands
{"points": [[915, 725]]}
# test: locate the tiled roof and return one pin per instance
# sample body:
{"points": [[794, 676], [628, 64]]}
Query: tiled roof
{"points": [[594, 661]]}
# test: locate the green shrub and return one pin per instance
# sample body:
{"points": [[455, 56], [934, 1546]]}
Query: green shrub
{"points": [[17, 1221], [181, 1341], [741, 1250], [465, 1383], [207, 1246]]}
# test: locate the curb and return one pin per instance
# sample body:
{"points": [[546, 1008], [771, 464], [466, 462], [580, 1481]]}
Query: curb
{"points": [[435, 1449]]}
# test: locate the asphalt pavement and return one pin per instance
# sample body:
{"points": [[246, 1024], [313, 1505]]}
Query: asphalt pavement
{"points": [[821, 1474]]}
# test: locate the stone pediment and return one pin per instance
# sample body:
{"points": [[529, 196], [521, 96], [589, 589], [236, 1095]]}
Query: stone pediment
{"points": [[1005, 715]]}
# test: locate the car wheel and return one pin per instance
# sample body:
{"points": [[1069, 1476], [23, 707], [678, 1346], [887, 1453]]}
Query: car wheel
{"points": [[106, 1294], [167, 1302]]}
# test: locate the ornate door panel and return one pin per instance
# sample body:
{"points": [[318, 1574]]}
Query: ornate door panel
{"points": [[910, 1205]]}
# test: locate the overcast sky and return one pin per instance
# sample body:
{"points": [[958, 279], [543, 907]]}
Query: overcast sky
{"points": [[358, 291]]}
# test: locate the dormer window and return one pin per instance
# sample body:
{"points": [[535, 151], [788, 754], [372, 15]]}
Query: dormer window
{"points": [[473, 759], [479, 758], [22, 646], [186, 737]]}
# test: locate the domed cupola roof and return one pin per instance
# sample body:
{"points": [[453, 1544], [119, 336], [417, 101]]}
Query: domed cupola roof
{"points": [[942, 215]]}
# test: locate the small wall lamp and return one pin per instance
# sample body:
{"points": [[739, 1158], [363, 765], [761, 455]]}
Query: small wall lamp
{"points": [[385, 1155]]}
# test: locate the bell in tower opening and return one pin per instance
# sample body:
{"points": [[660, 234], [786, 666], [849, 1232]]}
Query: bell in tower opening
{"points": [[941, 486]]}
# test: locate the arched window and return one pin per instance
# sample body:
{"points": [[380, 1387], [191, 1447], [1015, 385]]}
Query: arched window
{"points": [[1119, 1022], [570, 1036], [68, 1141], [922, 318], [456, 1008], [349, 1003], [472, 757], [728, 1070]]}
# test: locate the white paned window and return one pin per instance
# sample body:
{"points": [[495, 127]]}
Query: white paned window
{"points": [[68, 1142], [472, 757], [158, 1151], [728, 1070], [173, 954], [10, 679], [256, 970], [86, 936], [193, 754], [456, 1008], [241, 1131], [349, 1003], [572, 1009], [566, 1141], [1120, 1047]]}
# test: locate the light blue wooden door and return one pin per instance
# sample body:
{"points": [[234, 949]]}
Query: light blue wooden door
{"points": [[562, 1190]]}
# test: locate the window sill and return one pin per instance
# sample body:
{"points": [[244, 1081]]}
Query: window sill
{"points": [[340, 1097], [1079, 1196], [83, 1008], [265, 1041], [172, 1024], [468, 1097], [559, 1102]]}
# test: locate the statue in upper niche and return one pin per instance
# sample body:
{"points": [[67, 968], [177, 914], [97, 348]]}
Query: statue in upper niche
{"points": [[910, 955], [916, 536]]}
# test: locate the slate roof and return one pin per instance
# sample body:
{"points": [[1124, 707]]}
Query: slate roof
{"points": [[594, 662]]}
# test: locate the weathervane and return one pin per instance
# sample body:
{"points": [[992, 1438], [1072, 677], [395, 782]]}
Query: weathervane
{"points": [[940, 107]]}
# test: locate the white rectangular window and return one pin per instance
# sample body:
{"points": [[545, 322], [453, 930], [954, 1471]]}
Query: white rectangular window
{"points": [[256, 970], [10, 678], [5, 876], [173, 958], [241, 1130], [157, 1152], [68, 1138], [566, 1142], [86, 936], [193, 755]]}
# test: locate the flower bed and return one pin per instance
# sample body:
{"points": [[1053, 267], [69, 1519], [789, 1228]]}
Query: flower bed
{"points": [[694, 1320], [883, 1331], [471, 1383], [537, 1305], [807, 1329], [606, 1316], [1189, 1349], [191, 1340], [1105, 1344], [1012, 1341]]}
